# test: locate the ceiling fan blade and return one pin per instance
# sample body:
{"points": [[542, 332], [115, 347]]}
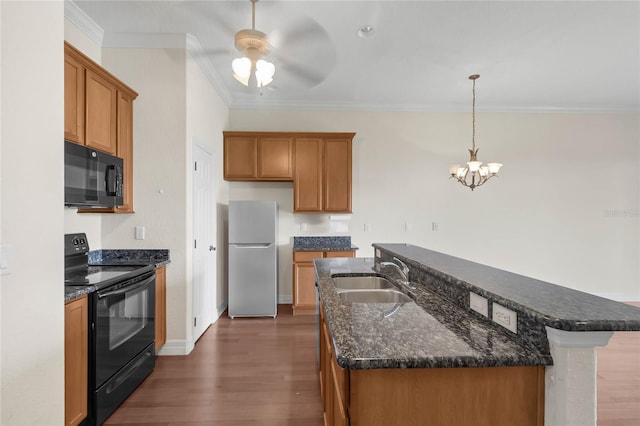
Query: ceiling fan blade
{"points": [[305, 75], [304, 54]]}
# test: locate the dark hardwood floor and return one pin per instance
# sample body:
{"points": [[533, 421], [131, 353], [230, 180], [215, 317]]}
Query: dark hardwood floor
{"points": [[263, 372]]}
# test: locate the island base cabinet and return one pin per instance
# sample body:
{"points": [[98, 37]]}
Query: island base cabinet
{"points": [[492, 396]]}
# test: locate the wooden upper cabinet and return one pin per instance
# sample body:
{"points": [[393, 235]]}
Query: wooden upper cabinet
{"points": [[240, 157], [275, 159], [307, 182], [337, 175], [125, 149], [98, 112], [318, 163], [74, 74], [101, 110], [255, 156]]}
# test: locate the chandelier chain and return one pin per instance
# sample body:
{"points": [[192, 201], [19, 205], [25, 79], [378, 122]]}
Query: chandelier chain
{"points": [[473, 117]]}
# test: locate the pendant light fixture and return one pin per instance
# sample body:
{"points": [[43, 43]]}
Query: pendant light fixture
{"points": [[255, 46], [478, 172]]}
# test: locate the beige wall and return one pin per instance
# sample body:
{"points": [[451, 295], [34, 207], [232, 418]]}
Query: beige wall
{"points": [[175, 105], [31, 219], [565, 208]]}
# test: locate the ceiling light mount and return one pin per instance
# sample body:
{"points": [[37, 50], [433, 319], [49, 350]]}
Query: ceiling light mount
{"points": [[479, 173]]}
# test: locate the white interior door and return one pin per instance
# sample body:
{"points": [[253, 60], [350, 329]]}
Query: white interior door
{"points": [[204, 241]]}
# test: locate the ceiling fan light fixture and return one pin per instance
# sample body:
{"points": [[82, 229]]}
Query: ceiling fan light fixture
{"points": [[254, 45]]}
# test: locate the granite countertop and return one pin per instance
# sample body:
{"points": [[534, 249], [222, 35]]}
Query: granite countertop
{"points": [[340, 243], [118, 257], [115, 257], [73, 292], [554, 305], [430, 332]]}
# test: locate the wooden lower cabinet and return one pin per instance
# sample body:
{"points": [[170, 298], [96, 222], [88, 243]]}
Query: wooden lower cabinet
{"points": [[76, 346], [161, 307], [491, 396], [304, 278]]}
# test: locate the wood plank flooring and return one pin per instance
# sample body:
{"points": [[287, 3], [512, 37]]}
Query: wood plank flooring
{"points": [[263, 372]]}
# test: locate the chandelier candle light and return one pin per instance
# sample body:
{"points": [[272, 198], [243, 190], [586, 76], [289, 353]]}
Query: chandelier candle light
{"points": [[479, 173], [254, 45]]}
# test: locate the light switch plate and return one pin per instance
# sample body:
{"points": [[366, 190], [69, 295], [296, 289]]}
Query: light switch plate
{"points": [[505, 317], [139, 232], [5, 259]]}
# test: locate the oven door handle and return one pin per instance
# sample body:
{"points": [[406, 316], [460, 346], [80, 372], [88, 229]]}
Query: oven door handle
{"points": [[127, 289]]}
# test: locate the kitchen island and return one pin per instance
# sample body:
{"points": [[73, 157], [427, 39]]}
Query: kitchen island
{"points": [[436, 361]]}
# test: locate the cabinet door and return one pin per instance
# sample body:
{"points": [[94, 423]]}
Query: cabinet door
{"points": [[101, 110], [304, 288], [76, 345], [307, 182], [275, 158], [125, 149], [161, 307], [337, 176], [240, 158], [74, 74]]}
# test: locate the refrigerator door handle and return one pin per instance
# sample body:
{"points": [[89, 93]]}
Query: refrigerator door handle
{"points": [[252, 245]]}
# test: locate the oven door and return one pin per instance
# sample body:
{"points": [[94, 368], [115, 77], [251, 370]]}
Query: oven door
{"points": [[124, 324]]}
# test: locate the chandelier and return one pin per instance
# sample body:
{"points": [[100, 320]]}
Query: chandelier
{"points": [[254, 45], [478, 172]]}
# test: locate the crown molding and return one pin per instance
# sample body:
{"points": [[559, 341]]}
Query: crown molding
{"points": [[172, 41], [81, 20]]}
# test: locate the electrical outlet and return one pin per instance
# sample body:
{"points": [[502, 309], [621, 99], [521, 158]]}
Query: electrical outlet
{"points": [[367, 227], [303, 227], [435, 226], [479, 304], [408, 227], [505, 317]]}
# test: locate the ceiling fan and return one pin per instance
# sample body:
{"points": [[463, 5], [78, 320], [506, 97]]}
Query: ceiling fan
{"points": [[255, 46], [303, 54]]}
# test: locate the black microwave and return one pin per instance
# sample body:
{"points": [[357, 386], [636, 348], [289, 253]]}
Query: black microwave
{"points": [[92, 178]]}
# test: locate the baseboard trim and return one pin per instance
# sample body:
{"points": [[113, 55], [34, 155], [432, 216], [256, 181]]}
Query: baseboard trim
{"points": [[176, 347]]}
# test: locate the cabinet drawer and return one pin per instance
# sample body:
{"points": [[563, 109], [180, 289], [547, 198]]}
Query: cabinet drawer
{"points": [[345, 253], [306, 256]]}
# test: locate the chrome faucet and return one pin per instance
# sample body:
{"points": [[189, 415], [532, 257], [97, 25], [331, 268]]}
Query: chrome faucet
{"points": [[402, 268]]}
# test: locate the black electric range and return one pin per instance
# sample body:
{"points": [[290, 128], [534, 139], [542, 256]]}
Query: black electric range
{"points": [[121, 314]]}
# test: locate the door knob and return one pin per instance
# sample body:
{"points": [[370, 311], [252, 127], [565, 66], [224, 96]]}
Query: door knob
{"points": [[212, 248]]}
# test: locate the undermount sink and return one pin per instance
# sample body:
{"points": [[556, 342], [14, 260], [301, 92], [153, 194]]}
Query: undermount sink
{"points": [[373, 296], [361, 282]]}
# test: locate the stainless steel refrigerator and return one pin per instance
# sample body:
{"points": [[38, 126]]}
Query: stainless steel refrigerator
{"points": [[253, 258]]}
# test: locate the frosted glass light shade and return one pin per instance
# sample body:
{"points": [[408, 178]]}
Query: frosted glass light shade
{"points": [[242, 70], [462, 171], [264, 72], [474, 166], [453, 169], [494, 168], [484, 171]]}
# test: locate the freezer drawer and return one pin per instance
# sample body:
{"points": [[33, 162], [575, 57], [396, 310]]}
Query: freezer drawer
{"points": [[253, 280]]}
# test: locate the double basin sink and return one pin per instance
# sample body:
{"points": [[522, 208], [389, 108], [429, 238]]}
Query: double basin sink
{"points": [[368, 289]]}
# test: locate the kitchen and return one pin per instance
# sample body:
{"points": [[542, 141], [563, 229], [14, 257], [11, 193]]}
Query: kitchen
{"points": [[532, 220]]}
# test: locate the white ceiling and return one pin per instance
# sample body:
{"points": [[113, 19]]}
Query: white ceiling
{"points": [[532, 56]]}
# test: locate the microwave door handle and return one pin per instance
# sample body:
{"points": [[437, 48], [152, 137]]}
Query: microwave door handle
{"points": [[111, 178]]}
